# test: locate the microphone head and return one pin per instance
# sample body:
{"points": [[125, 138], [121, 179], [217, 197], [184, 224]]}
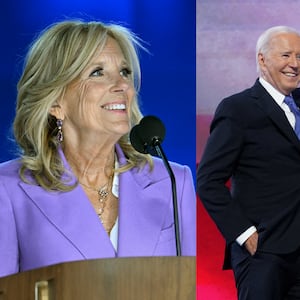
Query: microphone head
{"points": [[152, 129], [148, 133], [136, 140]]}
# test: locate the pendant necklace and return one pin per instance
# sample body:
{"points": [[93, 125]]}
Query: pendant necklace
{"points": [[103, 193]]}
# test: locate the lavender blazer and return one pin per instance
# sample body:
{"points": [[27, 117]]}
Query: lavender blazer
{"points": [[39, 228]]}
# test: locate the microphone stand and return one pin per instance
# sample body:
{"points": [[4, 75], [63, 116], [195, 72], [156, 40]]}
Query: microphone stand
{"points": [[156, 144]]}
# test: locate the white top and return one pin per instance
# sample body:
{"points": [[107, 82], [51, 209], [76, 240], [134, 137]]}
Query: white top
{"points": [[115, 192]]}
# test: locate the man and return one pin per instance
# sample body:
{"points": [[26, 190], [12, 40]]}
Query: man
{"points": [[253, 143]]}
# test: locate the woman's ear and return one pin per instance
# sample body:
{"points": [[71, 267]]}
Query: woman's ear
{"points": [[56, 111]]}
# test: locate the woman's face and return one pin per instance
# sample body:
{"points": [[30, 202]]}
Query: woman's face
{"points": [[99, 102]]}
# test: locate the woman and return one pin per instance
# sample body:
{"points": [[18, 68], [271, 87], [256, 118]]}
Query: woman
{"points": [[79, 190]]}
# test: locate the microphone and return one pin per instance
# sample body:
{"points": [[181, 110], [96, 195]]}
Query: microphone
{"points": [[146, 136], [148, 133]]}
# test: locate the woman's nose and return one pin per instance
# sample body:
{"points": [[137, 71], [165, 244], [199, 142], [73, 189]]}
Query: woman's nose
{"points": [[120, 84]]}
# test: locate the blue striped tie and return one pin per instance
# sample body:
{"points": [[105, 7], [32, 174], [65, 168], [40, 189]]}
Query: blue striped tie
{"points": [[295, 110]]}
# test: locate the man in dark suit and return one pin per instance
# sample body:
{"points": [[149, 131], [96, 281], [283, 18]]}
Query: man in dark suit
{"points": [[253, 144]]}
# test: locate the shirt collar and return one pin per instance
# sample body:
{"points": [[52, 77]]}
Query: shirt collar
{"points": [[275, 94]]}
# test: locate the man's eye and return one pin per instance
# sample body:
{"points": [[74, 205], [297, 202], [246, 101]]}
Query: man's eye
{"points": [[125, 72], [98, 72]]}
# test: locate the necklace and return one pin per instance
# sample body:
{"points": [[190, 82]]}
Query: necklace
{"points": [[103, 193]]}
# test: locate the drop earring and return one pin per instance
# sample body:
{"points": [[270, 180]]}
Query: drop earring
{"points": [[59, 136]]}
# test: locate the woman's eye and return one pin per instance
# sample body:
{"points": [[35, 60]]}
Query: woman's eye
{"points": [[96, 73], [125, 72]]}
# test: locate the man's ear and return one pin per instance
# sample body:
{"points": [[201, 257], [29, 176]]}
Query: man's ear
{"points": [[261, 59], [56, 111]]}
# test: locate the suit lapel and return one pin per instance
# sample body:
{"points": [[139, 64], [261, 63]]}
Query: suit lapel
{"points": [[142, 210], [73, 216], [274, 112]]}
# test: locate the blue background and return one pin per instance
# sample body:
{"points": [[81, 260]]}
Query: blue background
{"points": [[168, 73]]}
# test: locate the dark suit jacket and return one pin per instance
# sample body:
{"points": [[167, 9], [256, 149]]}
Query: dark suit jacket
{"points": [[253, 144]]}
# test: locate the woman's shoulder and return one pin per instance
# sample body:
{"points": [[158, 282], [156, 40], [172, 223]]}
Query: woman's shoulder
{"points": [[10, 168], [178, 169], [159, 163]]}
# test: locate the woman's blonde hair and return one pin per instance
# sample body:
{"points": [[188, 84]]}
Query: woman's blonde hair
{"points": [[55, 59]]}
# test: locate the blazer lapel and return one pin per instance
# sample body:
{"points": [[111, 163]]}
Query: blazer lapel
{"points": [[141, 215], [142, 209], [73, 216], [274, 112]]}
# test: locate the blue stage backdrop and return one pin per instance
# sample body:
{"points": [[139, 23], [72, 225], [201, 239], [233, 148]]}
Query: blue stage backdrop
{"points": [[168, 73]]}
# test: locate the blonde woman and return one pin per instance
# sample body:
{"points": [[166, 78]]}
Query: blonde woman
{"points": [[79, 190]]}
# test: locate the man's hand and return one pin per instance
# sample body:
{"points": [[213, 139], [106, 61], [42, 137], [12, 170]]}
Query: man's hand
{"points": [[251, 243]]}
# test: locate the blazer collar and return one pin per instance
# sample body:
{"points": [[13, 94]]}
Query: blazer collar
{"points": [[74, 218], [141, 213], [274, 112], [142, 208], [72, 215]]}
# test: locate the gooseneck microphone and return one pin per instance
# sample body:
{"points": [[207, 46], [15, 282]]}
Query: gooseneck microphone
{"points": [[146, 136]]}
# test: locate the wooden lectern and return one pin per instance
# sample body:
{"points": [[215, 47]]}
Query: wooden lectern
{"points": [[138, 278]]}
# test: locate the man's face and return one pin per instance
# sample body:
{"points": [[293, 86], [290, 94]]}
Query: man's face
{"points": [[280, 65]]}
